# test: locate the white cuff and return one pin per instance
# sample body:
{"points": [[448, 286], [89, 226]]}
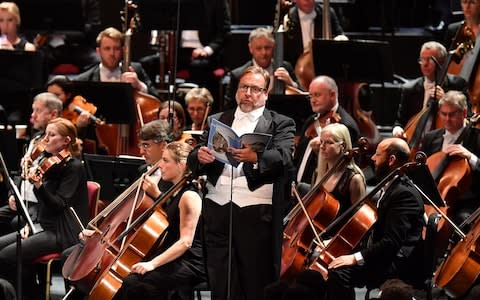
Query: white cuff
{"points": [[359, 258]]}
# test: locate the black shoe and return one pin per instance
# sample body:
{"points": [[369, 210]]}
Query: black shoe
{"points": [[438, 28]]}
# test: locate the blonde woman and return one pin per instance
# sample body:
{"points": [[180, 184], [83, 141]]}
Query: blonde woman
{"points": [[347, 184], [9, 24]]}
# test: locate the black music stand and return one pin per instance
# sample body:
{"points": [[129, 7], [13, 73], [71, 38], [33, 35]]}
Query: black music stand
{"points": [[162, 14], [296, 107], [114, 100], [23, 75], [354, 60], [114, 174], [49, 15]]}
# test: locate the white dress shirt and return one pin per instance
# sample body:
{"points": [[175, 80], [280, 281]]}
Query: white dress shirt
{"points": [[240, 194]]}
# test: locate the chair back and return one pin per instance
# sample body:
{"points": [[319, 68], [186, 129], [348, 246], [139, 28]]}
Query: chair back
{"points": [[93, 191]]}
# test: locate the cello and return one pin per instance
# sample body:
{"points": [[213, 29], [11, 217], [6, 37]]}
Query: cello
{"points": [[360, 217], [147, 232], [416, 125], [90, 259], [311, 215]]}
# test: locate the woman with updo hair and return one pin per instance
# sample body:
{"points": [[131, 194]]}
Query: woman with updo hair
{"points": [[178, 262], [57, 188]]}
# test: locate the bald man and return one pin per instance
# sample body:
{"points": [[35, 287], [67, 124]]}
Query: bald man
{"points": [[388, 252]]}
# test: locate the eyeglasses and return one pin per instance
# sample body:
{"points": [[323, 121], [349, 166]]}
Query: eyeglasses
{"points": [[468, 2], [424, 60], [144, 145], [253, 89]]}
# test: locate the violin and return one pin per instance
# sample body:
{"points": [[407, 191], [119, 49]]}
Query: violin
{"points": [[47, 164], [78, 106], [321, 121]]}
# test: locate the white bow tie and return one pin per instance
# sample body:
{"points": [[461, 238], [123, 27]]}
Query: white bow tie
{"points": [[242, 115]]}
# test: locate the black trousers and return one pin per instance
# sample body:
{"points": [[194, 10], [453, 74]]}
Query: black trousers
{"points": [[157, 284], [252, 261], [33, 247], [9, 220]]}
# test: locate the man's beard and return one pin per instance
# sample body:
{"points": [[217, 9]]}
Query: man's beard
{"points": [[381, 171]]}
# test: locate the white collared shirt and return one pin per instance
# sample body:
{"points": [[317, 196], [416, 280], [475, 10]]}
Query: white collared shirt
{"points": [[241, 195], [308, 28], [107, 75]]}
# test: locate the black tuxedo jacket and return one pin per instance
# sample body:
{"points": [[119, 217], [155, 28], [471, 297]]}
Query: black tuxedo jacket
{"points": [[215, 26], [93, 74], [293, 42], [235, 74], [395, 234], [413, 92], [433, 141], [311, 165], [274, 166]]}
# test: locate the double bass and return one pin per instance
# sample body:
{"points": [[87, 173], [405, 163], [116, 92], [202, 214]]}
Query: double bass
{"points": [[122, 138]]}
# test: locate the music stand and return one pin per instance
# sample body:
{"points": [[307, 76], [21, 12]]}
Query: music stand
{"points": [[353, 60], [48, 15], [162, 14], [114, 100], [296, 107], [23, 75], [114, 174]]}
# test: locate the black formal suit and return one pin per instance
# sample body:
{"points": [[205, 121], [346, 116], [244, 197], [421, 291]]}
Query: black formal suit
{"points": [[231, 90], [468, 202], [93, 74], [311, 165], [413, 93], [390, 247], [260, 245], [293, 42]]}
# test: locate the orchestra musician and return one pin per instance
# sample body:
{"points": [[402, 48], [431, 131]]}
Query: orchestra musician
{"points": [[391, 243], [347, 184], [304, 22], [323, 92], [9, 24], [152, 141], [261, 46], [255, 192], [178, 261], [61, 86], [199, 102], [416, 93], [110, 44], [57, 188], [177, 119], [45, 107], [452, 112]]}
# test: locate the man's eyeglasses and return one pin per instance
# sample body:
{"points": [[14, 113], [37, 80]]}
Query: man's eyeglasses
{"points": [[468, 2], [253, 89], [144, 145], [423, 60]]}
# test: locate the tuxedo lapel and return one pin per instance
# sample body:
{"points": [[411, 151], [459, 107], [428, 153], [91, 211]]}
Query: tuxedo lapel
{"points": [[264, 123], [437, 141]]}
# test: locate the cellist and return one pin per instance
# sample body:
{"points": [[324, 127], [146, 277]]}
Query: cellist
{"points": [[178, 262], [153, 138], [323, 92], [416, 93], [452, 112], [389, 249]]}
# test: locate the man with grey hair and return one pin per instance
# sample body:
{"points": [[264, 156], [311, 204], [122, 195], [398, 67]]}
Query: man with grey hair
{"points": [[416, 93], [261, 46], [457, 140], [45, 107]]}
